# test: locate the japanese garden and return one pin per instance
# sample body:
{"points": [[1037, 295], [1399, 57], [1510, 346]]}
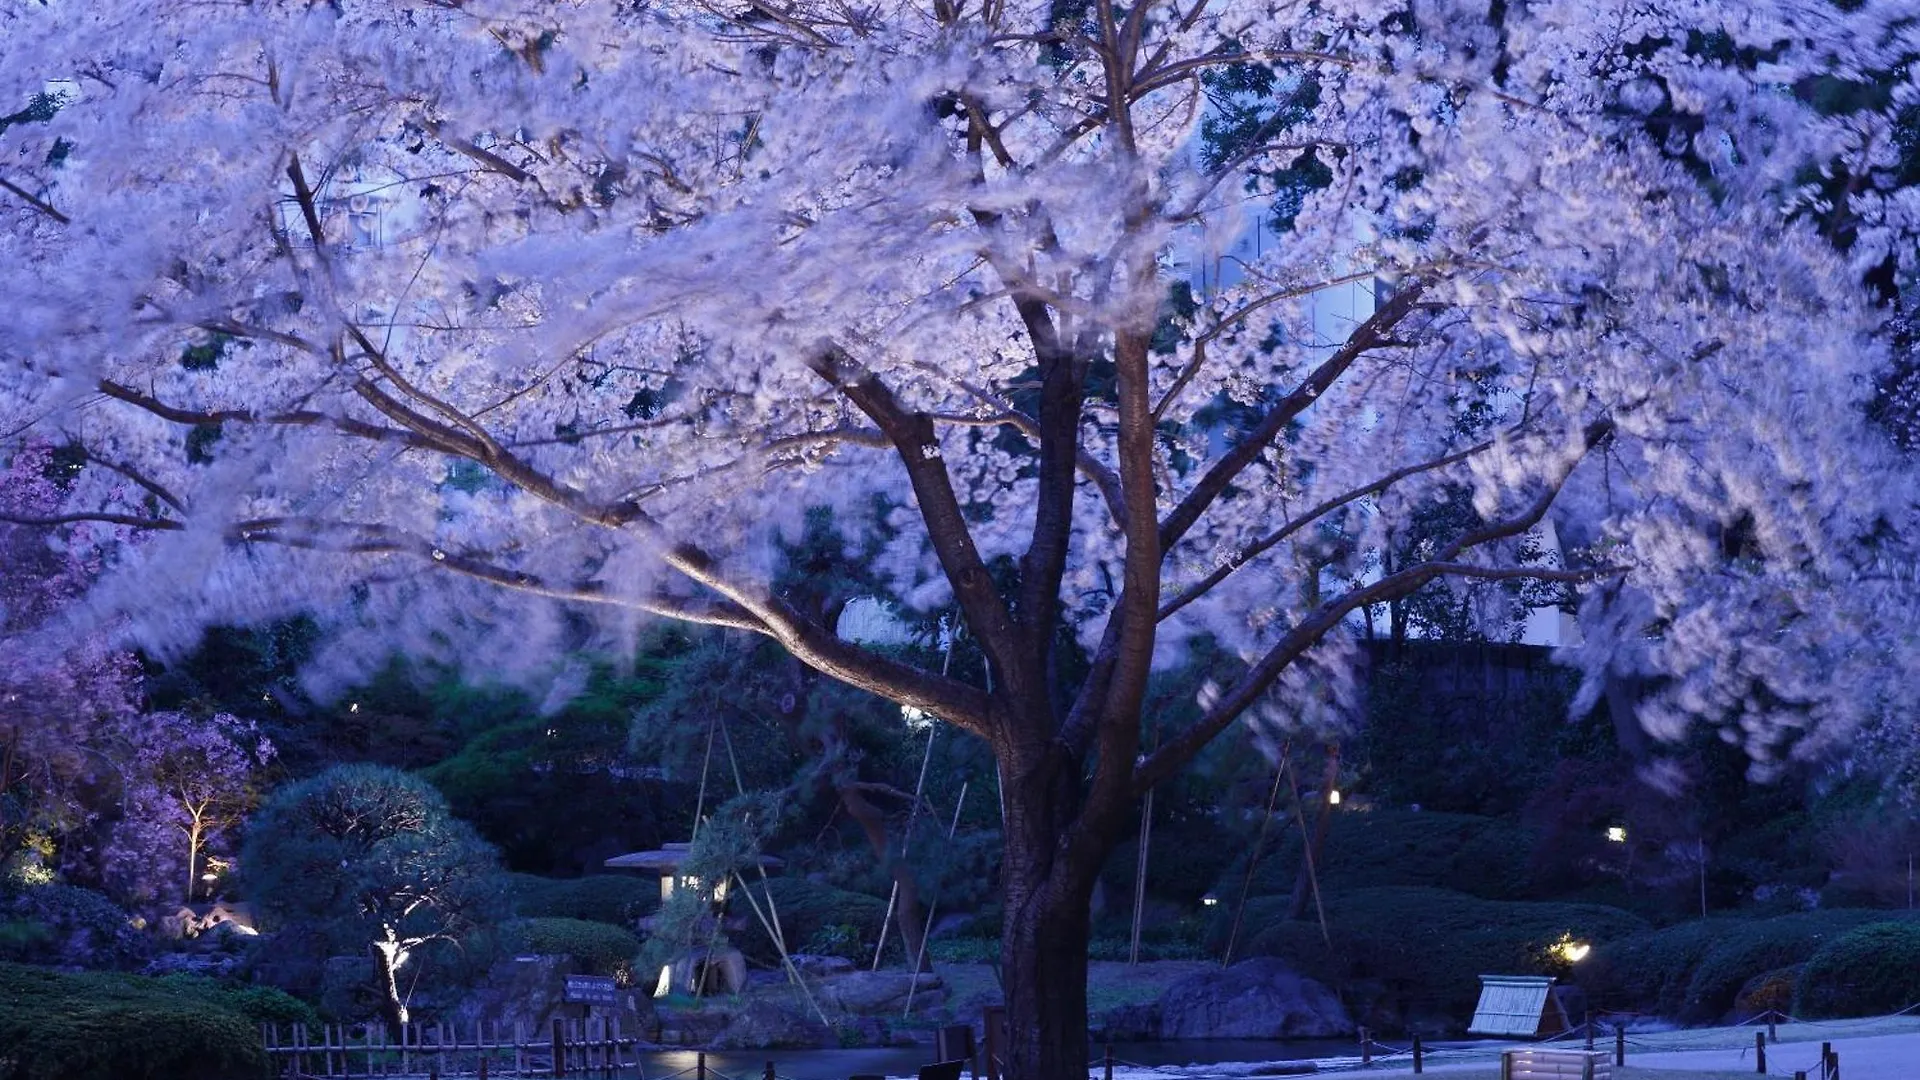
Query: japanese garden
{"points": [[546, 537]]}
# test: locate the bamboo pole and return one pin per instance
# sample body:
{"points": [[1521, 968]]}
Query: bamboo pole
{"points": [[920, 961], [1306, 848], [1253, 857], [1140, 876], [700, 801], [786, 959], [906, 843]]}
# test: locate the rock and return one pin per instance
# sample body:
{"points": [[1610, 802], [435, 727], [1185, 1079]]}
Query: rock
{"points": [[722, 971], [770, 1025], [692, 1027], [346, 987], [811, 964], [1129, 1023], [212, 965], [531, 991], [1261, 998], [875, 991]]}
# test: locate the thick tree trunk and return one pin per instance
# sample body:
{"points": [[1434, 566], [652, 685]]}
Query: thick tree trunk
{"points": [[1043, 950], [387, 957], [1047, 885]]}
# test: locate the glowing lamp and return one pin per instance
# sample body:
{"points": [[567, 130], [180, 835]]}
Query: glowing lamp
{"points": [[1572, 951], [1617, 833]]}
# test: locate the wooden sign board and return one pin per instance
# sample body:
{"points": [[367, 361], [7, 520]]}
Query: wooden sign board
{"points": [[591, 990]]}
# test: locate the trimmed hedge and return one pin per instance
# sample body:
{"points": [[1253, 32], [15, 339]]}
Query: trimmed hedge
{"points": [[598, 948], [1422, 951], [1872, 970], [106, 1026], [1693, 972], [620, 899]]}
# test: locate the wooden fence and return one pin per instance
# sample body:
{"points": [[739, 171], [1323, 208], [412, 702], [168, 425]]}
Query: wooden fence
{"points": [[591, 1047]]}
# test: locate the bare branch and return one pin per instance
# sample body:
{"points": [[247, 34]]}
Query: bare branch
{"points": [[35, 202], [1295, 524], [1223, 472]]}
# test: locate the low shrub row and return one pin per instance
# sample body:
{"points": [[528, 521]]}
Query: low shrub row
{"points": [[111, 1026], [1694, 971], [1419, 952], [620, 899]]}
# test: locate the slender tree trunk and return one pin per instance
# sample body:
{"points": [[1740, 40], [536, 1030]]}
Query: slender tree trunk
{"points": [[873, 824], [193, 858], [387, 956]]}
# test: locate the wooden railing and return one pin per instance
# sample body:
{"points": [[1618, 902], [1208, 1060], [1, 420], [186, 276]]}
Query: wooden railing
{"points": [[590, 1047]]}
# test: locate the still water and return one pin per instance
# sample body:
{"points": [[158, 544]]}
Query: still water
{"points": [[904, 1061]]}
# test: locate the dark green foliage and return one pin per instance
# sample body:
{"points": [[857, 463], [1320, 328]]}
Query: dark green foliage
{"points": [[358, 847], [839, 940], [807, 910], [1483, 856], [522, 778], [98, 1026], [1423, 950], [1470, 728], [65, 924], [598, 948], [620, 899], [201, 439], [206, 355], [1692, 971], [260, 1004], [1867, 971]]}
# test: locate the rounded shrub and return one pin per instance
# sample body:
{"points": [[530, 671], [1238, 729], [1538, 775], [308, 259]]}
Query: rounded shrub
{"points": [[74, 926], [598, 948], [1867, 971], [806, 909]]}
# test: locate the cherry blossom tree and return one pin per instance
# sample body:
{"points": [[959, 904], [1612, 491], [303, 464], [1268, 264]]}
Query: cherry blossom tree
{"points": [[58, 693], [460, 320], [189, 781]]}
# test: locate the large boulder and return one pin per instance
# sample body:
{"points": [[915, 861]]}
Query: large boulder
{"points": [[1261, 998], [865, 992], [771, 1025]]}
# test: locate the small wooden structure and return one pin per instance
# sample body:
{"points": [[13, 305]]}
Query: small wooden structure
{"points": [[1536, 1064], [1523, 1005], [667, 863]]}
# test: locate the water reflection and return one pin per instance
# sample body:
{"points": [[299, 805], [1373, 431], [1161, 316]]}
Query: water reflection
{"points": [[905, 1061]]}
